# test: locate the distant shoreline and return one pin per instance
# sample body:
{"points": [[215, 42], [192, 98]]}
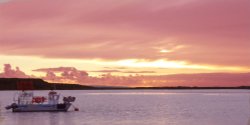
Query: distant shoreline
{"points": [[39, 84]]}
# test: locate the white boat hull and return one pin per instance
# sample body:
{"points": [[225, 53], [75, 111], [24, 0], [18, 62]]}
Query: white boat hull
{"points": [[42, 107]]}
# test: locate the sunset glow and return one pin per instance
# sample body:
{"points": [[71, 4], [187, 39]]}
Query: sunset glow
{"points": [[117, 39]]}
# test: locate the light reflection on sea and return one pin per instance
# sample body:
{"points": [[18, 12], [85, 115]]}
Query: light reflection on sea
{"points": [[140, 107]]}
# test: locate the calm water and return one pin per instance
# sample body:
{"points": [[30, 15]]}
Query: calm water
{"points": [[141, 107]]}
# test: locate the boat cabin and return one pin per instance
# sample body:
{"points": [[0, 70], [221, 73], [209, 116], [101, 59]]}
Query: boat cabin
{"points": [[25, 98]]}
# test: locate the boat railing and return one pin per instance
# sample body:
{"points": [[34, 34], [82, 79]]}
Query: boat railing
{"points": [[23, 97]]}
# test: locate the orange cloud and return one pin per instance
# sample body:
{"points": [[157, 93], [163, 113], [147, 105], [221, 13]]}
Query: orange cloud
{"points": [[216, 32], [12, 73]]}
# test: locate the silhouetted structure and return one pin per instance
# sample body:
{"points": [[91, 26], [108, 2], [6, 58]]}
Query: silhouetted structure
{"points": [[39, 84]]}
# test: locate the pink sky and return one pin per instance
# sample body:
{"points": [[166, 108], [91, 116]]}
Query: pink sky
{"points": [[157, 37]]}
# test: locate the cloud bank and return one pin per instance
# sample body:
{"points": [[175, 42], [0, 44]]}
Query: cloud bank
{"points": [[8, 72], [73, 75], [212, 32], [66, 75]]}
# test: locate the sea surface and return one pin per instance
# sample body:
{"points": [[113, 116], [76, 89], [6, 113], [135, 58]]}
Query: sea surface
{"points": [[140, 107]]}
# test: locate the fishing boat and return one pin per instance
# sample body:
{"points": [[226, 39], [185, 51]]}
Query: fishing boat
{"points": [[26, 101]]}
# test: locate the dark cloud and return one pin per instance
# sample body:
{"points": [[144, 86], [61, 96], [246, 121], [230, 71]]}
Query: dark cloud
{"points": [[59, 69], [115, 68], [106, 71], [138, 72], [121, 71]]}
